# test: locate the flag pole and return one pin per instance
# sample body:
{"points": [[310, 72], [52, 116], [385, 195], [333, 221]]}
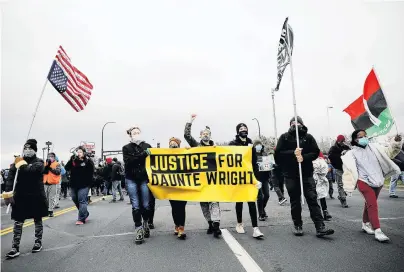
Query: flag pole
{"points": [[29, 132], [273, 108], [295, 112], [385, 97]]}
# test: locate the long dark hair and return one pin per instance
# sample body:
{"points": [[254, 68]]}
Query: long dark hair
{"points": [[354, 136]]}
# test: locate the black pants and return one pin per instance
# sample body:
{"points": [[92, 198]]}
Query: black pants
{"points": [[63, 189], [331, 189], [253, 213], [152, 206], [309, 190], [263, 197], [178, 212], [323, 204], [279, 186]]}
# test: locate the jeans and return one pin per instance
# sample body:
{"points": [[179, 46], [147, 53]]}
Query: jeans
{"points": [[79, 197], [371, 210], [263, 197], [309, 191], [116, 186], [139, 196], [393, 182]]}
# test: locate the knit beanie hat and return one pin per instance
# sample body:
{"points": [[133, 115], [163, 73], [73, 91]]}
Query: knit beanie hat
{"points": [[176, 140], [31, 143], [239, 126], [340, 138], [299, 120]]}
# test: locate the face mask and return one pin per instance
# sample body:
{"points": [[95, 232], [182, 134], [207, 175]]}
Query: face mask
{"points": [[258, 148], [363, 141], [52, 159], [205, 138], [173, 146], [243, 134], [28, 153]]}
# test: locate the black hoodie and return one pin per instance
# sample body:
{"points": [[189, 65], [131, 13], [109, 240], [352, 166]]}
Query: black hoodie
{"points": [[335, 155], [285, 153], [134, 157]]}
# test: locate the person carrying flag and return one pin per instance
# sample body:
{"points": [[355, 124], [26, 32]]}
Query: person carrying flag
{"points": [[210, 210]]}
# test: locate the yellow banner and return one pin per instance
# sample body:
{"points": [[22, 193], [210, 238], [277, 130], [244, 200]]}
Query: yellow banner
{"points": [[202, 174]]}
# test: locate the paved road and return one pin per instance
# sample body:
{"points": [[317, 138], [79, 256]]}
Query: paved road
{"points": [[106, 243]]}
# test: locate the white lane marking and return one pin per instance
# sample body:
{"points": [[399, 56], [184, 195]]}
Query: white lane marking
{"points": [[110, 235], [383, 218], [244, 258]]}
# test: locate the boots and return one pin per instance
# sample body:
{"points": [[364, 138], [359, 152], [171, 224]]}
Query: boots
{"points": [[181, 233], [151, 217], [216, 230], [146, 229], [343, 202], [298, 231], [327, 216], [139, 235], [210, 229], [322, 231]]}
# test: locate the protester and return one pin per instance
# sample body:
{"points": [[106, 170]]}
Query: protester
{"points": [[262, 175], [288, 156], [81, 177], [210, 210], [64, 182], [107, 175], [58, 187], [134, 157], [366, 167], [178, 206], [335, 157], [399, 160], [116, 173], [241, 139], [51, 178], [320, 168], [99, 180], [28, 200], [330, 176]]}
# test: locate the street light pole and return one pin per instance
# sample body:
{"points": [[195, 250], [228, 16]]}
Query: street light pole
{"points": [[43, 153], [328, 119], [259, 128], [102, 139], [48, 143]]}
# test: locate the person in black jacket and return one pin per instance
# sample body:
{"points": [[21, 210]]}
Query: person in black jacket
{"points": [[81, 170], [116, 180], [399, 160], [241, 139], [134, 157], [28, 200], [287, 155], [262, 174], [334, 155]]}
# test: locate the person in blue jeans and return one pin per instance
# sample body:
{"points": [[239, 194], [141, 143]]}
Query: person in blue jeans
{"points": [[399, 160], [81, 170], [134, 157]]}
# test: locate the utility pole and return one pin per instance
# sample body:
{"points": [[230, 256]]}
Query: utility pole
{"points": [[259, 128], [328, 119], [48, 144], [102, 139]]}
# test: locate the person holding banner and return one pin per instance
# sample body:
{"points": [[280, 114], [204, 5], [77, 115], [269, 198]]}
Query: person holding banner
{"points": [[288, 156], [210, 210], [178, 206], [28, 199], [262, 167], [134, 157], [242, 140]]}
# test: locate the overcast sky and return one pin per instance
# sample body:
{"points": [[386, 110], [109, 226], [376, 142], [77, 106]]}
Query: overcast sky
{"points": [[153, 63]]}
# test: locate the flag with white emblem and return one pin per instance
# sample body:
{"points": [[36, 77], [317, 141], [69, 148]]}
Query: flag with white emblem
{"points": [[72, 84], [285, 49]]}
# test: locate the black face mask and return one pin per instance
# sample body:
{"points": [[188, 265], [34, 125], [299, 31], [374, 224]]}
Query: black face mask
{"points": [[243, 134], [292, 129]]}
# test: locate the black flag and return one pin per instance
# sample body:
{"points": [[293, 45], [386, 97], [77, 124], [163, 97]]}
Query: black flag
{"points": [[285, 42]]}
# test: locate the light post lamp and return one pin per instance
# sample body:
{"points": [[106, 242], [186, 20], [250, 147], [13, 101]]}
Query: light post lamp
{"points": [[259, 128], [102, 139], [48, 144], [328, 119]]}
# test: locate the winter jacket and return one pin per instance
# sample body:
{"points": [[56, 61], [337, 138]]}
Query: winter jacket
{"points": [[320, 168], [285, 154], [29, 195], [335, 155], [81, 172], [384, 157], [107, 172], [399, 160], [51, 175], [116, 171], [191, 140], [134, 157]]}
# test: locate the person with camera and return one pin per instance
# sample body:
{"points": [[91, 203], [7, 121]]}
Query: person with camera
{"points": [[28, 198], [81, 169], [51, 178]]}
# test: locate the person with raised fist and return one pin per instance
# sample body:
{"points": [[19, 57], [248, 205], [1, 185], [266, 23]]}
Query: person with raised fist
{"points": [[210, 210], [28, 199]]}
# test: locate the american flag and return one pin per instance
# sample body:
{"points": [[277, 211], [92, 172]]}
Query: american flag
{"points": [[72, 84]]}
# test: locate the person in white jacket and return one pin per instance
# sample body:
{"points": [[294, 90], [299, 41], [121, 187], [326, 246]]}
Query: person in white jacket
{"points": [[366, 167], [320, 168]]}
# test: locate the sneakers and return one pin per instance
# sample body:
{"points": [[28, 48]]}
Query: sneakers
{"points": [[37, 247], [282, 201], [393, 196], [176, 230], [262, 218], [139, 239], [146, 229], [151, 225], [257, 233], [210, 229], [240, 228], [216, 230], [366, 227], [343, 202], [380, 236], [322, 231], [78, 222], [181, 233], [327, 216], [13, 253], [50, 214], [298, 231]]}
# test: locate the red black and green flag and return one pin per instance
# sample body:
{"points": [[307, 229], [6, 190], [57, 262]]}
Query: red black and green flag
{"points": [[370, 111]]}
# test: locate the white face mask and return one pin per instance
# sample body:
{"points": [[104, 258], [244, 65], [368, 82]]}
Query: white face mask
{"points": [[135, 136], [28, 153]]}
